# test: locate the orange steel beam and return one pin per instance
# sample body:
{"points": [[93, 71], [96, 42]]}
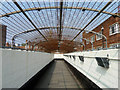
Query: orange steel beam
{"points": [[44, 8], [14, 1]]}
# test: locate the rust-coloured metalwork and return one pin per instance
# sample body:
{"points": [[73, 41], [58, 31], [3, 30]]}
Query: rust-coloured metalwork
{"points": [[28, 18], [44, 8], [50, 28]]}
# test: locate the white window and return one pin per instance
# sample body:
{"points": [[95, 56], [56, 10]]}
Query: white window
{"points": [[115, 45], [92, 38], [31, 47], [26, 46], [87, 41], [98, 37], [36, 47], [114, 29]]}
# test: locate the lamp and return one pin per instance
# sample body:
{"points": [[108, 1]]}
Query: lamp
{"points": [[102, 28]]}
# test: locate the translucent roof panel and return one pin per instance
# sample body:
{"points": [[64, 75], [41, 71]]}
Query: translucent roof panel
{"points": [[56, 19]]}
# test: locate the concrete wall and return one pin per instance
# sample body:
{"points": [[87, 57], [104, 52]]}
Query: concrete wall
{"points": [[2, 35], [104, 78], [19, 66]]}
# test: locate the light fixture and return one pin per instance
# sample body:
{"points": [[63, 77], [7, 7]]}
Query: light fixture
{"points": [[7, 15], [38, 9], [114, 16], [102, 28], [83, 10]]}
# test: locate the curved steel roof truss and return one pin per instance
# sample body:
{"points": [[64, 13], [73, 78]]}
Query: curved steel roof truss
{"points": [[44, 8]]}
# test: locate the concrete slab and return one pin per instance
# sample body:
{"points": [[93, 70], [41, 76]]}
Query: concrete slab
{"points": [[58, 76]]}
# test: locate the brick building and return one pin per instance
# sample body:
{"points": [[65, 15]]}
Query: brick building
{"points": [[110, 29], [2, 35]]}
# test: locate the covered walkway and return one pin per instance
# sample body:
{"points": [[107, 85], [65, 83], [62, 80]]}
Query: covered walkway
{"points": [[58, 76], [56, 26], [85, 33]]}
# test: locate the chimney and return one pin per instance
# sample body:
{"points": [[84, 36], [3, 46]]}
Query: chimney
{"points": [[2, 35]]}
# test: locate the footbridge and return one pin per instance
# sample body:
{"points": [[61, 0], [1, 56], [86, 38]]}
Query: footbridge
{"points": [[59, 44]]}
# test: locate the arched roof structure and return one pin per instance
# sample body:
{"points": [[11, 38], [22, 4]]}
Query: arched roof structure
{"points": [[54, 25]]}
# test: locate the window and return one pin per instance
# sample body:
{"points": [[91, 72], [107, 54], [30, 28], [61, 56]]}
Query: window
{"points": [[115, 45], [31, 47], [98, 37], [92, 38], [26, 46], [87, 41], [36, 47], [114, 29]]}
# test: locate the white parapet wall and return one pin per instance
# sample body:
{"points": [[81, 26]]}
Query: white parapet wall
{"points": [[19, 66], [103, 77]]}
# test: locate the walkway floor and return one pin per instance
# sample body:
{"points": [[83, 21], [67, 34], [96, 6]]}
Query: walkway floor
{"points": [[58, 76]]}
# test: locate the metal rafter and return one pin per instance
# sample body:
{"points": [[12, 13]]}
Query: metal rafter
{"points": [[61, 6], [97, 20], [29, 19], [17, 24], [94, 18], [31, 16], [50, 27], [43, 8], [59, 27]]}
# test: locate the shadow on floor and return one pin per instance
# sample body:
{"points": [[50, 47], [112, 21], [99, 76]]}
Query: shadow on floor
{"points": [[55, 75]]}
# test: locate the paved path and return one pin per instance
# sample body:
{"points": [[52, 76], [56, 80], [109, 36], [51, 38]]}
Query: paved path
{"points": [[58, 76]]}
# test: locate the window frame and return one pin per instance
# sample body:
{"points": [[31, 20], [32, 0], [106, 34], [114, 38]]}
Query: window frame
{"points": [[100, 37], [116, 28], [114, 45], [87, 42], [93, 39]]}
